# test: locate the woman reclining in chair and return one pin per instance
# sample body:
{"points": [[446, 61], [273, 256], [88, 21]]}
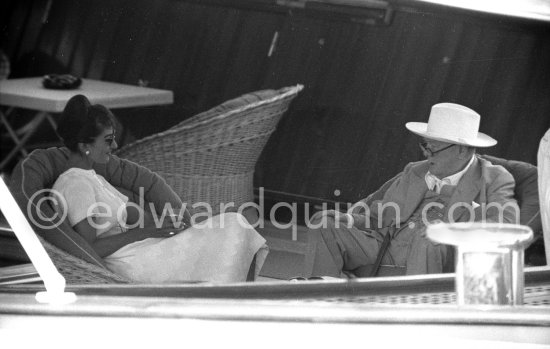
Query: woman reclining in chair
{"points": [[219, 249]]}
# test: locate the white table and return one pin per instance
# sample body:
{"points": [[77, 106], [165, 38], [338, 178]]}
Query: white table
{"points": [[28, 93]]}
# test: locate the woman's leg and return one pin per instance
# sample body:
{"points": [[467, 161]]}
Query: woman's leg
{"points": [[219, 249]]}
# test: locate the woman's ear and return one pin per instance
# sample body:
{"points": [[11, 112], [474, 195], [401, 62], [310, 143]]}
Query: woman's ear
{"points": [[83, 148]]}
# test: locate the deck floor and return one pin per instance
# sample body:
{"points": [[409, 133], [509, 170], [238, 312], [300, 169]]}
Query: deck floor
{"points": [[287, 257]]}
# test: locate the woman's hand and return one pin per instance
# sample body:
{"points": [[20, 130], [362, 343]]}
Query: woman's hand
{"points": [[165, 232], [174, 223], [108, 245], [337, 215], [138, 218]]}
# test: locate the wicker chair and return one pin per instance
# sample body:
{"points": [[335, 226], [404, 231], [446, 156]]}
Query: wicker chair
{"points": [[78, 271], [210, 158], [73, 269]]}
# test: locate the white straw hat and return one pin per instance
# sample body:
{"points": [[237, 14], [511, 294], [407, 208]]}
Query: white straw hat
{"points": [[452, 123]]}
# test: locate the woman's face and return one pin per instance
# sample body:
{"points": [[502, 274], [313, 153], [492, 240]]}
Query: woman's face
{"points": [[103, 145]]}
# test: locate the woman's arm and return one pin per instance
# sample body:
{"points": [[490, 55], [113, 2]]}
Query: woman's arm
{"points": [[138, 217], [110, 244]]}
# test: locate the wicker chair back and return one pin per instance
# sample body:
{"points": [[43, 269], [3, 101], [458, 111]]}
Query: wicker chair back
{"points": [[210, 158]]}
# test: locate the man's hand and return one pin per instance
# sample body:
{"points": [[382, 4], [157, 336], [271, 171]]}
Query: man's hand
{"points": [[424, 230]]}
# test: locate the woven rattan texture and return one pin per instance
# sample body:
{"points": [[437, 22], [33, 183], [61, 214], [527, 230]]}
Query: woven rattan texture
{"points": [[533, 296], [78, 271], [210, 158]]}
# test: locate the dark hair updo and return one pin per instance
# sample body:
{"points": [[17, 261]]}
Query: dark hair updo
{"points": [[82, 122]]}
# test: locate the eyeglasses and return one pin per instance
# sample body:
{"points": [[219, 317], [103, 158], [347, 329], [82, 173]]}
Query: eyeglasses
{"points": [[429, 152]]}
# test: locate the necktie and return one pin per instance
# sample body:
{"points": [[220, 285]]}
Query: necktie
{"points": [[435, 184]]}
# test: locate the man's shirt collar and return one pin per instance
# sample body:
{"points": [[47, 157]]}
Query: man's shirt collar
{"points": [[435, 183]]}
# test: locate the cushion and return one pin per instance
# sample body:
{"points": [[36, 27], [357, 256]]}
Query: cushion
{"points": [[36, 173], [131, 179], [526, 191]]}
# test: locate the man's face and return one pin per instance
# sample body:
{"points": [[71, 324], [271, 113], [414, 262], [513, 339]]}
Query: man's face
{"points": [[443, 158]]}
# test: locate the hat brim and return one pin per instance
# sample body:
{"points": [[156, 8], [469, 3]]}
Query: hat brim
{"points": [[481, 141]]}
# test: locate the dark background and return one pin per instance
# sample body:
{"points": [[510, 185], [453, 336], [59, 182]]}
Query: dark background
{"points": [[362, 82]]}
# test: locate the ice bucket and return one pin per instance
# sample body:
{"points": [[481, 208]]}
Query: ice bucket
{"points": [[489, 267]]}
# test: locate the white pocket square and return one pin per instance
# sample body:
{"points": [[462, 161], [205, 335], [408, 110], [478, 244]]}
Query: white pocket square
{"points": [[475, 205]]}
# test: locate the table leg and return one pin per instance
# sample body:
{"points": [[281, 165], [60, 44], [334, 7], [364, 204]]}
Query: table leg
{"points": [[12, 133], [20, 142]]}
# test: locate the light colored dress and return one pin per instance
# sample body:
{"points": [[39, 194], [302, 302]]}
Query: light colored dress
{"points": [[219, 249]]}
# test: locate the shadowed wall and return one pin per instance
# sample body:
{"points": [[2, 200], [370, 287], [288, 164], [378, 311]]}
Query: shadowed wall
{"points": [[362, 83]]}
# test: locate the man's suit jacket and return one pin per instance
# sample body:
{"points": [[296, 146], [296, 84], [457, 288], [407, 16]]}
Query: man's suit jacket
{"points": [[484, 184]]}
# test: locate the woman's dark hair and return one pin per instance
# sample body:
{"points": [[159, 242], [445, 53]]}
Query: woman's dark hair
{"points": [[82, 122]]}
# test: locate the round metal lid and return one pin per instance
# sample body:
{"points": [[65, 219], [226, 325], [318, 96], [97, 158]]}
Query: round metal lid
{"points": [[480, 234]]}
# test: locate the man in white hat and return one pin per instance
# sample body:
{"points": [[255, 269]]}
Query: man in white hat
{"points": [[388, 229]]}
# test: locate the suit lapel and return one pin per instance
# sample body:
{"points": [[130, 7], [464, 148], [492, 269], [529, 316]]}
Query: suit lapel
{"points": [[415, 191], [467, 190], [407, 193]]}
